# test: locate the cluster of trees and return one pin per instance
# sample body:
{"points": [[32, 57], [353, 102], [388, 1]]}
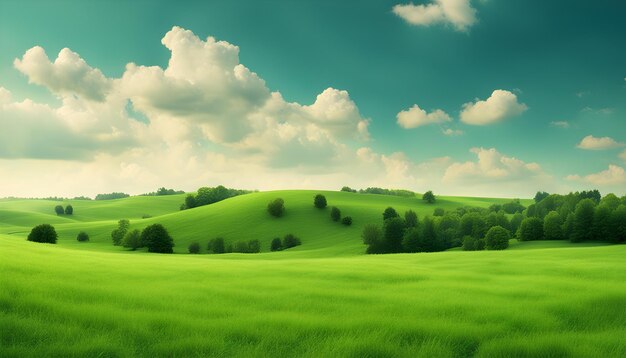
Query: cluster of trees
{"points": [[163, 191], [429, 197], [218, 246], [44, 233], [319, 201], [287, 242], [111, 196], [276, 207], [206, 196], [579, 216], [69, 210], [155, 237], [381, 191]]}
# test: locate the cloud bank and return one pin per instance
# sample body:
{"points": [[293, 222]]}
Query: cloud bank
{"points": [[458, 13]]}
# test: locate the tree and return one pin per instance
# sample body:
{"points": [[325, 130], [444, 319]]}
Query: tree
{"points": [[583, 220], [471, 243], [241, 246], [429, 197], [497, 238], [611, 201], [319, 201], [348, 189], [347, 220], [410, 219], [618, 225], [82, 237], [429, 236], [389, 213], [335, 213], [59, 210], [276, 245], [194, 248], [552, 226], [44, 233], [217, 245], [69, 210], [516, 221], [394, 232], [513, 207], [601, 229], [531, 229], [203, 196], [412, 241], [132, 240], [568, 226], [157, 239], [438, 212], [276, 208], [118, 234], [290, 241], [373, 237], [473, 224], [254, 246], [540, 196], [190, 201]]}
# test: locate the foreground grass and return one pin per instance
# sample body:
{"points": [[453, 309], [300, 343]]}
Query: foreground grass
{"points": [[57, 301]]}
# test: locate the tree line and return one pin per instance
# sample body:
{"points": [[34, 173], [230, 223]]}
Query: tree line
{"points": [[207, 195]]}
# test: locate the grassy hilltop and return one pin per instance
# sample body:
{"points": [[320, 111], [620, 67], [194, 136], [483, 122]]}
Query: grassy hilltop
{"points": [[324, 298]]}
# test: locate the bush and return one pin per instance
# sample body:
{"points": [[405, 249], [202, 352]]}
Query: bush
{"points": [[157, 239], [254, 246], [531, 229], [132, 240], [59, 210], [438, 212], [410, 218], [118, 234], [429, 197], [335, 213], [69, 210], [390, 213], [394, 232], [217, 246], [319, 201], [290, 241], [241, 247], [194, 248], [412, 242], [471, 243], [497, 238], [348, 189], [373, 237], [44, 233], [276, 208], [347, 221], [82, 236], [276, 245], [552, 226]]}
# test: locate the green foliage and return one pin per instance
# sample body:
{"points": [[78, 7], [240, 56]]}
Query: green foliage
{"points": [[497, 238], [335, 213], [59, 210], [540, 196], [429, 236], [348, 189], [118, 234], [553, 226], [44, 233], [429, 197], [254, 246], [618, 225], [471, 243], [111, 196], [516, 221], [611, 201], [601, 229], [276, 207], [82, 236], [157, 239], [583, 221], [394, 233], [290, 241], [568, 226], [163, 191], [347, 220], [438, 212], [531, 229], [393, 192], [132, 240], [390, 213], [410, 218], [207, 196], [217, 246], [190, 201], [374, 239], [194, 248], [513, 207], [473, 223], [276, 244], [69, 210], [319, 201]]}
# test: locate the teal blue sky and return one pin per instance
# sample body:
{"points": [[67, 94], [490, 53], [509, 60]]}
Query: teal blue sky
{"points": [[565, 60]]}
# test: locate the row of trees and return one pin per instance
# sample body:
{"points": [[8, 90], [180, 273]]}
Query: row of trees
{"points": [[69, 210], [163, 191], [111, 196], [155, 237], [206, 196]]}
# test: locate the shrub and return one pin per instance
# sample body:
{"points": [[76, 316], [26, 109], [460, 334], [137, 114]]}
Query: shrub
{"points": [[438, 212], [254, 246], [348, 189], [157, 239], [552, 226], [410, 218], [44, 233], [471, 243], [373, 237], [335, 213], [132, 240], [394, 232], [429, 197], [118, 234], [347, 220], [217, 246], [276, 208], [59, 210], [276, 245], [411, 242], [290, 241], [390, 213], [241, 247], [82, 236], [69, 210], [497, 238], [194, 248], [531, 229], [319, 201]]}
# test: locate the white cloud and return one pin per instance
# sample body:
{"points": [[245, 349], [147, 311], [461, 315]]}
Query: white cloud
{"points": [[458, 13], [499, 106], [614, 175], [598, 143], [69, 74], [491, 165], [622, 155], [452, 132], [415, 117], [560, 124]]}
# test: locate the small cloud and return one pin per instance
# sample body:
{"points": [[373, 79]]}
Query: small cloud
{"points": [[458, 13], [622, 155], [581, 94], [500, 105], [605, 111], [613, 175], [452, 132], [560, 124], [598, 143], [415, 117]]}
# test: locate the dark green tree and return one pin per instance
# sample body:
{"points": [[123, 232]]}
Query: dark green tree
{"points": [[611, 201], [429, 235], [412, 241], [583, 221], [390, 213], [157, 239], [540, 196], [59, 210], [82, 236], [319, 201], [194, 248], [429, 197], [118, 234], [190, 201], [374, 239], [347, 220], [618, 225], [69, 210], [290, 241], [276, 245], [217, 246], [394, 232], [276, 208], [44, 233], [516, 221], [410, 218], [132, 240], [497, 238], [531, 229], [553, 226], [438, 212], [254, 246], [473, 224], [601, 229], [335, 213]]}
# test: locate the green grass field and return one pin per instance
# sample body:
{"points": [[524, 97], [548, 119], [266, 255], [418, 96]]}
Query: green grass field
{"points": [[322, 299]]}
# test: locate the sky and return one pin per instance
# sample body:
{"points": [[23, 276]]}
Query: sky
{"points": [[462, 97]]}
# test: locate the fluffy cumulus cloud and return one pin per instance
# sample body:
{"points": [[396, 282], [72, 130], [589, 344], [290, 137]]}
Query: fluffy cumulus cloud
{"points": [[415, 117], [622, 155], [458, 13], [598, 143], [499, 106], [614, 175]]}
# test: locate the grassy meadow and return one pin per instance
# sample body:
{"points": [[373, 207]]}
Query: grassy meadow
{"points": [[322, 299]]}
